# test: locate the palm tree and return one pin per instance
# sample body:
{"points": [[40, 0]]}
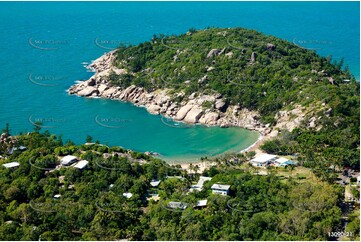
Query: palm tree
{"points": [[196, 168]]}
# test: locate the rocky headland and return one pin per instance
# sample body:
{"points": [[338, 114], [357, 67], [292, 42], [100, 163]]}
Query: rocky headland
{"points": [[192, 109]]}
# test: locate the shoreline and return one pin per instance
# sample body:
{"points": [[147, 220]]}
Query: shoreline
{"points": [[203, 165], [189, 110]]}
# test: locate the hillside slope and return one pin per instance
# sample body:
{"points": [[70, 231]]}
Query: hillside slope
{"points": [[235, 77]]}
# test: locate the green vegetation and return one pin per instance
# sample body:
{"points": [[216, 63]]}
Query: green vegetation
{"points": [[92, 207], [280, 76]]}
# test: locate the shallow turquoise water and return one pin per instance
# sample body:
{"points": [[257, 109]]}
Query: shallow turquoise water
{"points": [[71, 33]]}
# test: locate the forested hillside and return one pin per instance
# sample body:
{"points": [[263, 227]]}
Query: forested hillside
{"points": [[40, 200]]}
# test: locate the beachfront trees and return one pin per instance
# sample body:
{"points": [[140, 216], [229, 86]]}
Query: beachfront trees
{"points": [[92, 205]]}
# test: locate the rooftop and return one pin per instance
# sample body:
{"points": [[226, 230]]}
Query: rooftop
{"points": [[127, 194], [201, 203], [281, 160], [263, 158], [220, 186], [67, 159], [11, 164], [155, 183], [81, 164]]}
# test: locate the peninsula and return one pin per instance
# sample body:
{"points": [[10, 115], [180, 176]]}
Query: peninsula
{"points": [[231, 77]]}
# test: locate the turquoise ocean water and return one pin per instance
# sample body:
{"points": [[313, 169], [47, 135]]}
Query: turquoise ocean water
{"points": [[43, 46]]}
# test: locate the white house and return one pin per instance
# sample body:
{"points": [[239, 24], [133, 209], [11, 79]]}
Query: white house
{"points": [[199, 185], [201, 203], [220, 189], [81, 164], [127, 194], [155, 183], [263, 160], [11, 164], [68, 160], [281, 161]]}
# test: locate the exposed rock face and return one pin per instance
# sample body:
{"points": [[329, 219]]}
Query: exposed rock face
{"points": [[193, 115], [210, 118], [290, 119], [253, 57], [191, 109], [270, 46], [88, 91], [183, 112], [220, 105], [215, 52], [153, 109]]}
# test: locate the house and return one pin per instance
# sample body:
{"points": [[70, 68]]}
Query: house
{"points": [[263, 160], [177, 205], [57, 196], [220, 189], [127, 194], [11, 165], [201, 203], [68, 160], [283, 162], [21, 148], [155, 183], [199, 185], [81, 164]]}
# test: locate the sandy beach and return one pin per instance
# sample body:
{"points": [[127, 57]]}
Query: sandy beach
{"points": [[203, 165]]}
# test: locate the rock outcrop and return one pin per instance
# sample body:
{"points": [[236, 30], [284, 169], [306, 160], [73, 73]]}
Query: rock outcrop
{"points": [[196, 108]]}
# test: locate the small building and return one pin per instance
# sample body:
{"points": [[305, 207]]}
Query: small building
{"points": [[201, 203], [283, 162], [177, 205], [358, 181], [127, 194], [220, 189], [199, 185], [57, 196], [11, 165], [68, 160], [263, 160], [20, 148], [155, 183], [81, 164]]}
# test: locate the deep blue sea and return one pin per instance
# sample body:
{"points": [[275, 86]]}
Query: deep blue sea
{"points": [[43, 46]]}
